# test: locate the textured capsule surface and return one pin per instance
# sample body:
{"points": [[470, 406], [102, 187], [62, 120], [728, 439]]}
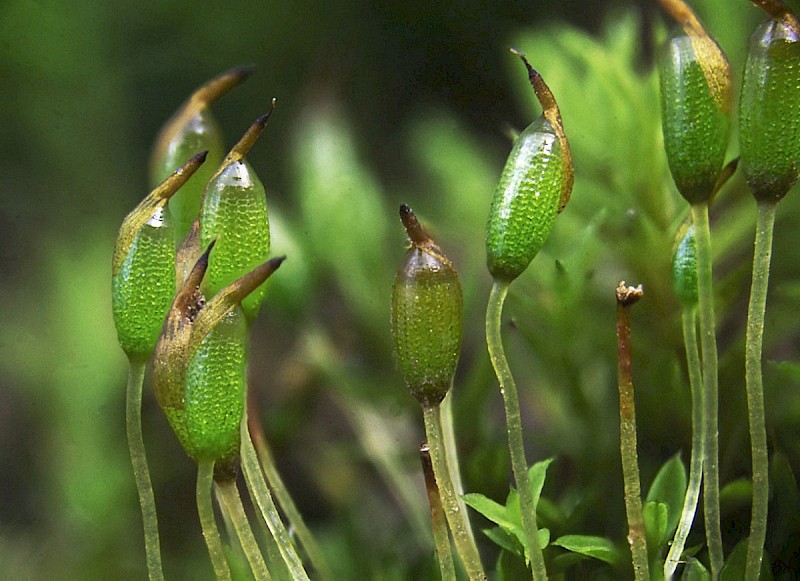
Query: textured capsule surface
{"points": [[769, 111], [684, 269], [525, 202], [200, 133], [215, 390], [695, 123], [143, 286], [427, 324], [235, 214]]}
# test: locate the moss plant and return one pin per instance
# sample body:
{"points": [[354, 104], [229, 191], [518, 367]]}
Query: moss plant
{"points": [[441, 538], [697, 100], [769, 128], [535, 186]]}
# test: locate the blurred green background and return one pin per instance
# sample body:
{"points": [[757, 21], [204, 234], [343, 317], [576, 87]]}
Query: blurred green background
{"points": [[378, 103]]}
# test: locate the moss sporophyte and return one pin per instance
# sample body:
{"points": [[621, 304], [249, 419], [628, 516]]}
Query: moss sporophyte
{"points": [[769, 135], [534, 187]]}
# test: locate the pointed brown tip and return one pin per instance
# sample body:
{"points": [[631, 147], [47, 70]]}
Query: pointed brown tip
{"points": [[416, 234], [262, 121], [243, 72]]}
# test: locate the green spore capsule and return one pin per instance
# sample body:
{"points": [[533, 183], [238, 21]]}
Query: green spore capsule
{"points": [[769, 108], [193, 128], [215, 390], [695, 115], [235, 214], [143, 266], [427, 313], [684, 268], [534, 187]]}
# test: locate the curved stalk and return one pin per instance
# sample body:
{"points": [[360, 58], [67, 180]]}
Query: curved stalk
{"points": [[208, 523], [456, 518], [516, 446], [755, 387], [141, 472], [708, 346], [285, 501], [269, 512], [232, 505], [689, 320]]}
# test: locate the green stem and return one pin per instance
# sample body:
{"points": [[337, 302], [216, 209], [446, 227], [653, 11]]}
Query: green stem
{"points": [[441, 537], [450, 448], [205, 509], [689, 320], [516, 446], [627, 440], [755, 387], [708, 346], [287, 504], [269, 512], [232, 505], [456, 518], [141, 473]]}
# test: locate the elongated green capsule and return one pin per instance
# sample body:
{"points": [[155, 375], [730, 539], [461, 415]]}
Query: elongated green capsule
{"points": [[193, 128], [769, 106], [534, 187], [143, 266], [192, 360], [427, 313], [234, 213], [684, 268], [215, 390], [696, 103]]}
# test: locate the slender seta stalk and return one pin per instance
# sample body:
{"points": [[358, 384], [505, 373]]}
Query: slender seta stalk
{"points": [[441, 537], [708, 348], [689, 323], [516, 445], [285, 501], [626, 297], [456, 518], [141, 473], [755, 387], [208, 523], [269, 512], [232, 505], [449, 433]]}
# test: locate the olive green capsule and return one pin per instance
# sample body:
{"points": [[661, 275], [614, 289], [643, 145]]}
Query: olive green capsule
{"points": [[696, 103], [769, 106], [193, 128], [427, 312], [143, 266], [684, 267], [534, 187], [234, 213]]}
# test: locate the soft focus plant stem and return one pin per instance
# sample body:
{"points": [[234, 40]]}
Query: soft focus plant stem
{"points": [[708, 347], [516, 445], [689, 320], [232, 504], [755, 387], [286, 502], [141, 473], [208, 523], [627, 296], [441, 537], [449, 434], [456, 518], [269, 512]]}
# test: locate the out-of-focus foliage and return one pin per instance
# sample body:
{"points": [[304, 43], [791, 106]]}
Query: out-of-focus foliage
{"points": [[355, 134]]}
